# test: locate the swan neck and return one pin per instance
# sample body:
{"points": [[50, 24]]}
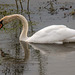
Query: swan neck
{"points": [[23, 34], [24, 28]]}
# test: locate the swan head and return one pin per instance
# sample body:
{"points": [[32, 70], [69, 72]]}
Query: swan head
{"points": [[4, 21]]}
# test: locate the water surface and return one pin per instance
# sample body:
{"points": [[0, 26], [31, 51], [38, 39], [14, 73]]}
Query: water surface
{"points": [[21, 58]]}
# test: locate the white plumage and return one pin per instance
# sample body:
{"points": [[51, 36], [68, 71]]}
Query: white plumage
{"points": [[53, 34]]}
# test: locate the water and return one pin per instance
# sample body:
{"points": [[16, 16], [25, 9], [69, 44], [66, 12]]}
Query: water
{"points": [[21, 58]]}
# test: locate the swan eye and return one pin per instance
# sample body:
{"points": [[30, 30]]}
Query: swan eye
{"points": [[1, 24]]}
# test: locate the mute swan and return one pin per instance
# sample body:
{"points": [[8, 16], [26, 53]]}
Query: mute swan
{"points": [[51, 34]]}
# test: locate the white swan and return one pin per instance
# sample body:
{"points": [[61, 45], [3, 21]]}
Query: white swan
{"points": [[50, 34]]}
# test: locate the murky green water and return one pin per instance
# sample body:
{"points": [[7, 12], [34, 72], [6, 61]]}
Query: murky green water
{"points": [[21, 58]]}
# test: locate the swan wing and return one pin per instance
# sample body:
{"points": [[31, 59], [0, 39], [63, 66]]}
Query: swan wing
{"points": [[52, 34]]}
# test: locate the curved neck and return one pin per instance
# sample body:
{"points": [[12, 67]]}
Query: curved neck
{"points": [[24, 23]]}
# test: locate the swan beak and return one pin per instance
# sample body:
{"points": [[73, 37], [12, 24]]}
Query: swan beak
{"points": [[1, 24]]}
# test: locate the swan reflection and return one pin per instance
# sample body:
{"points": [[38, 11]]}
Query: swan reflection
{"points": [[54, 48], [24, 46], [21, 56], [15, 65]]}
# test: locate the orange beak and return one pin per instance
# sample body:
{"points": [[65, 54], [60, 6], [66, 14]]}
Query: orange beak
{"points": [[1, 25]]}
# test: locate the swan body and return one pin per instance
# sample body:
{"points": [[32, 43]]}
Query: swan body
{"points": [[51, 34]]}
